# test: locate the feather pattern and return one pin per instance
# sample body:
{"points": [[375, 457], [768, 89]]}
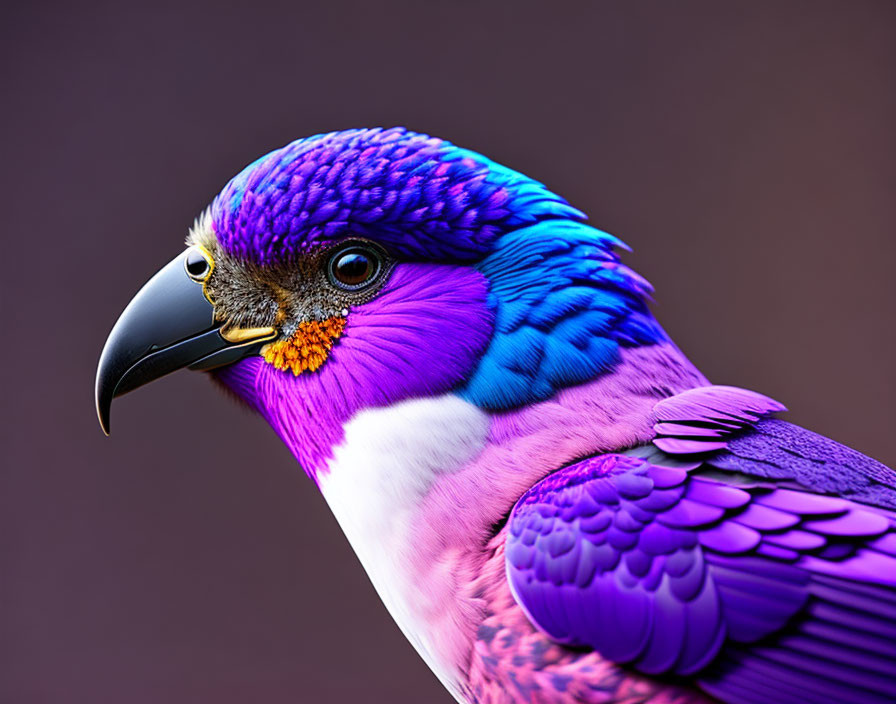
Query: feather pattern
{"points": [[564, 306], [744, 585], [419, 196]]}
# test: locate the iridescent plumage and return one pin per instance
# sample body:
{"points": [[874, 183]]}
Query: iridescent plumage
{"points": [[554, 504]]}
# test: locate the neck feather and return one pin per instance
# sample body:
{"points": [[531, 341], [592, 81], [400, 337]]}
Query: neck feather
{"points": [[421, 487]]}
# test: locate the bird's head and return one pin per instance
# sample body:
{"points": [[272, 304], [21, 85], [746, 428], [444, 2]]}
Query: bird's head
{"points": [[361, 268]]}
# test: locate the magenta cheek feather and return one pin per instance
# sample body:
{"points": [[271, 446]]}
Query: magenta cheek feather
{"points": [[421, 336]]}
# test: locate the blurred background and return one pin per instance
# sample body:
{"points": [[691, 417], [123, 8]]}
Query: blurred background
{"points": [[746, 151]]}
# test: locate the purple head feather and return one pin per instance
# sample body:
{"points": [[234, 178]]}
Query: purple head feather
{"points": [[419, 196]]}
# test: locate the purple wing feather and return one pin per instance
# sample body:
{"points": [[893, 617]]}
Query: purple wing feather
{"points": [[764, 590], [731, 424], [781, 450]]}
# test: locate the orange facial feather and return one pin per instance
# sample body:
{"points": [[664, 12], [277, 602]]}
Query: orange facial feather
{"points": [[307, 349]]}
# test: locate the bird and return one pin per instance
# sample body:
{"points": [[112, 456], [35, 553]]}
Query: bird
{"points": [[553, 503]]}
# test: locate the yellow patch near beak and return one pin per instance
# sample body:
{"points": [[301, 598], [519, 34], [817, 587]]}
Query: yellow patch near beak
{"points": [[307, 349]]}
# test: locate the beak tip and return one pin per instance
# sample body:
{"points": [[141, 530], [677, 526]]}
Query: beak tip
{"points": [[103, 398], [102, 414]]}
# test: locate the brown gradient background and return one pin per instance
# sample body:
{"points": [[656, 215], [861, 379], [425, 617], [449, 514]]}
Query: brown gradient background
{"points": [[746, 150]]}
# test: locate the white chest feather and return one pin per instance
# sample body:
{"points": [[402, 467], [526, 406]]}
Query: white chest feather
{"points": [[377, 481]]}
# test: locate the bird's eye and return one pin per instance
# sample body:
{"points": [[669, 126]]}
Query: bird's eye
{"points": [[198, 264], [354, 267]]}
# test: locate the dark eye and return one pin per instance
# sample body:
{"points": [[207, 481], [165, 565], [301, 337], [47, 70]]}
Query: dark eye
{"points": [[198, 264], [354, 267]]}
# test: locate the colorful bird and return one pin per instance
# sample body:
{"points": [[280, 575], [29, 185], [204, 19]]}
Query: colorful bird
{"points": [[554, 504]]}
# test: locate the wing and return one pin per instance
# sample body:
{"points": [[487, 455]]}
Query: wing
{"points": [[731, 422], [713, 554]]}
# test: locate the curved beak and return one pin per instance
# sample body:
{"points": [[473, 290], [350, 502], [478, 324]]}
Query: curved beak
{"points": [[169, 324]]}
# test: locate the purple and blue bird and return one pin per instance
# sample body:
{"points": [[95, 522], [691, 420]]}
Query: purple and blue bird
{"points": [[553, 503]]}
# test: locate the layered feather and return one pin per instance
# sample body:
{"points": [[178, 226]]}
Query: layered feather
{"points": [[673, 564]]}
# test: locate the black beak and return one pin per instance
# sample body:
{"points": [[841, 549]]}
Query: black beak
{"points": [[169, 324]]}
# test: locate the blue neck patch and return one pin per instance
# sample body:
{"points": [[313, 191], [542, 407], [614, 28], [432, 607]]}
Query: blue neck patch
{"points": [[564, 305]]}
